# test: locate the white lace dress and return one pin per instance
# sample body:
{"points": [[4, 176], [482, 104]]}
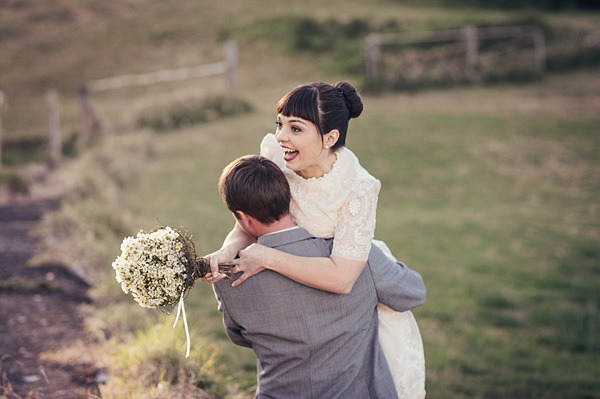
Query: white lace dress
{"points": [[342, 204]]}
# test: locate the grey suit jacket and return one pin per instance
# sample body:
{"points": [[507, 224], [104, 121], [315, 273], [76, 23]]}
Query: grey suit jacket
{"points": [[311, 343]]}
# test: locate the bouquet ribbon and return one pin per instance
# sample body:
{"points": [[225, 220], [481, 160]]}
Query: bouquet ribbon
{"points": [[180, 311]]}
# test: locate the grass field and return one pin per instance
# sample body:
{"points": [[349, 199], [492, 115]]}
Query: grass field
{"points": [[491, 193], [495, 205]]}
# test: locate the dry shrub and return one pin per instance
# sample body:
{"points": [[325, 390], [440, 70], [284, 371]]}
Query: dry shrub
{"points": [[153, 365], [190, 111], [85, 232]]}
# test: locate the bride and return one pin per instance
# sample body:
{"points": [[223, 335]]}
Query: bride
{"points": [[332, 196]]}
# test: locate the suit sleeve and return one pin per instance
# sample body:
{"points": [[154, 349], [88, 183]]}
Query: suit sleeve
{"points": [[232, 329], [398, 287]]}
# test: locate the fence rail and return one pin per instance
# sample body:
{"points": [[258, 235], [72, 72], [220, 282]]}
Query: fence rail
{"points": [[90, 123], [146, 79], [228, 67], [468, 36]]}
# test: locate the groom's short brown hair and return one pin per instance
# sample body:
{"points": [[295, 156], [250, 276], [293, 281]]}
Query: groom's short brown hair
{"points": [[256, 186]]}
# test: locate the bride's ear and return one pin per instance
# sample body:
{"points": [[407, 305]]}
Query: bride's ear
{"points": [[331, 138]]}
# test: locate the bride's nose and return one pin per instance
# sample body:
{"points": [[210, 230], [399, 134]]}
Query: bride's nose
{"points": [[281, 135]]}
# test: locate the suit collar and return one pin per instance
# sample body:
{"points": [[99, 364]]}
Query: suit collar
{"points": [[284, 237]]}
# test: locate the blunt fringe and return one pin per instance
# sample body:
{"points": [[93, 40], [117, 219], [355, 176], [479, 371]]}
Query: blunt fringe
{"points": [[327, 107]]}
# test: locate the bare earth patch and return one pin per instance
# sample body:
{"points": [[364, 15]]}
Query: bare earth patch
{"points": [[39, 312]]}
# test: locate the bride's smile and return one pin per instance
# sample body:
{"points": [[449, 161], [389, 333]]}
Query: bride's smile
{"points": [[304, 149]]}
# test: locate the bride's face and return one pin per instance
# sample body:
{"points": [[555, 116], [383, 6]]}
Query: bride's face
{"points": [[302, 146]]}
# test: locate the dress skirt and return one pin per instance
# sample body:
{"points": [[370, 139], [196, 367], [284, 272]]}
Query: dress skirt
{"points": [[401, 342]]}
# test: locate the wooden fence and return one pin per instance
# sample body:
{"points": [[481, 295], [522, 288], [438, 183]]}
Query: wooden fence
{"points": [[1, 108], [89, 121], [228, 67], [468, 37], [55, 145]]}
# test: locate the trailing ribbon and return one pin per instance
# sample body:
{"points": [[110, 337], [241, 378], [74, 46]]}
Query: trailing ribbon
{"points": [[180, 310]]}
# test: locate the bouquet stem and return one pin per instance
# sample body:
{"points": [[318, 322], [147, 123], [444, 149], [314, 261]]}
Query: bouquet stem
{"points": [[203, 268]]}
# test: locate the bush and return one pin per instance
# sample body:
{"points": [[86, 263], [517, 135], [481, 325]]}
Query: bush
{"points": [[86, 230], [414, 67], [190, 111], [551, 5], [16, 182]]}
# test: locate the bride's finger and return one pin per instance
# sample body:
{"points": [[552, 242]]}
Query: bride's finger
{"points": [[241, 279], [214, 265], [212, 278]]}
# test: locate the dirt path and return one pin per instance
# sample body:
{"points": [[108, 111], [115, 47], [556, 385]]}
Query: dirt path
{"points": [[38, 313]]}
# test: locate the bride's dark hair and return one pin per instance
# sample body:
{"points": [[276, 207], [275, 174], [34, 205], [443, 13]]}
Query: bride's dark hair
{"points": [[328, 107]]}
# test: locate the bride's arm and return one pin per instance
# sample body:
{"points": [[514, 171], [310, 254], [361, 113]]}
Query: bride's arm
{"points": [[339, 272], [333, 274], [236, 240]]}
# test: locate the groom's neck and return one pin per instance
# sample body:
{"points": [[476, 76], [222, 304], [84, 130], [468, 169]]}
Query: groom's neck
{"points": [[286, 222]]}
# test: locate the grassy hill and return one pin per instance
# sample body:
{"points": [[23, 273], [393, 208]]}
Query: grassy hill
{"points": [[489, 192], [63, 44]]}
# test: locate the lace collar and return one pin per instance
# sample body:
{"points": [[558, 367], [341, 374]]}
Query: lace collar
{"points": [[335, 172]]}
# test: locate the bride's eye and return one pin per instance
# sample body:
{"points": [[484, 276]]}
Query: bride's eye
{"points": [[278, 124], [296, 129]]}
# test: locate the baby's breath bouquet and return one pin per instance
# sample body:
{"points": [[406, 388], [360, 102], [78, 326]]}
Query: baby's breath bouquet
{"points": [[159, 267]]}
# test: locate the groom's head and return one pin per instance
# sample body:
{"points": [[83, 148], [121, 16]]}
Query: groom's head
{"points": [[257, 187]]}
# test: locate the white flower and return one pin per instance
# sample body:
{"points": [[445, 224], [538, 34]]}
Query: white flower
{"points": [[152, 267]]}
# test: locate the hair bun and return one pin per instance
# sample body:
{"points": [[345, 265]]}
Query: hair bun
{"points": [[353, 100]]}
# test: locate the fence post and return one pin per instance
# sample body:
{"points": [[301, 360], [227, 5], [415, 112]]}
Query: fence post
{"points": [[469, 37], [88, 119], [1, 105], [231, 60], [371, 56], [54, 125], [539, 48]]}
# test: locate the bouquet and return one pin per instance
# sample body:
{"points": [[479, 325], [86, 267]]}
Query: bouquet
{"points": [[158, 268]]}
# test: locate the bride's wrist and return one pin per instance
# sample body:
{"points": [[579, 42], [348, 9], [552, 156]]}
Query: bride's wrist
{"points": [[272, 260], [228, 253]]}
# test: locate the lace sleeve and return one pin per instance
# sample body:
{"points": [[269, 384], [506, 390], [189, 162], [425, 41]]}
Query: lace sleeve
{"points": [[269, 148], [355, 228]]}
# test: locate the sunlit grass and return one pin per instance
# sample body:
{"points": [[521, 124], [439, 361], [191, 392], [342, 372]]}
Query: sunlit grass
{"points": [[151, 365], [496, 212]]}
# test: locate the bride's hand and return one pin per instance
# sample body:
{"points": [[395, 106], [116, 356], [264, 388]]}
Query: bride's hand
{"points": [[252, 261], [216, 258]]}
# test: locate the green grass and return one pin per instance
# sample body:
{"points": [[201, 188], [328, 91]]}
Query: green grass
{"points": [[496, 213], [495, 209]]}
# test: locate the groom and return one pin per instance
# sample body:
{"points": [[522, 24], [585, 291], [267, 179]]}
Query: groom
{"points": [[308, 343]]}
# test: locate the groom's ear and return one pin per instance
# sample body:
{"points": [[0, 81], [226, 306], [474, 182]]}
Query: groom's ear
{"points": [[241, 216], [237, 215], [247, 222], [245, 219]]}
